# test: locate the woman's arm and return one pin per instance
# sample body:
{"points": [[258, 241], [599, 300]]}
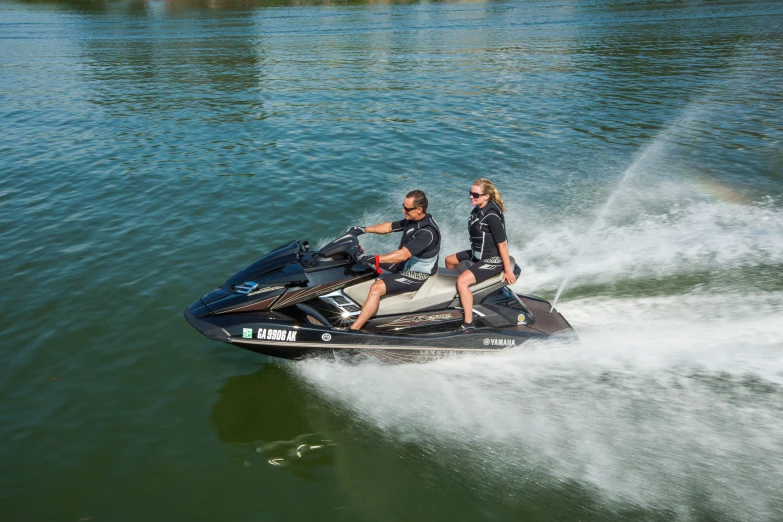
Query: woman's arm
{"points": [[508, 270]]}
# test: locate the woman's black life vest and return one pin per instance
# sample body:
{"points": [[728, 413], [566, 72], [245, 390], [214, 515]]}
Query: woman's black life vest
{"points": [[487, 228]]}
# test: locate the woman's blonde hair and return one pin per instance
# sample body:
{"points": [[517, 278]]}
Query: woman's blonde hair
{"points": [[494, 194]]}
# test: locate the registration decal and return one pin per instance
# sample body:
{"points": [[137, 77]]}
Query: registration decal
{"points": [[271, 334], [247, 333]]}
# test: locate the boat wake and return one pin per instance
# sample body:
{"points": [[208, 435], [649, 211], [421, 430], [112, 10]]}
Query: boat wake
{"points": [[673, 398]]}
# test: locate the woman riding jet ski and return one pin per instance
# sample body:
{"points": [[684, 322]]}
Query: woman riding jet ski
{"points": [[295, 303]]}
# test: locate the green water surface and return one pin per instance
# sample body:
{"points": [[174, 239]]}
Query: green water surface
{"points": [[151, 149]]}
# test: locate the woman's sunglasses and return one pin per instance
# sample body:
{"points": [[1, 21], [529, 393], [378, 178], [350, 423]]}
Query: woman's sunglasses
{"points": [[475, 195]]}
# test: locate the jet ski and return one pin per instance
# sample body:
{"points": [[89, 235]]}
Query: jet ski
{"points": [[295, 303]]}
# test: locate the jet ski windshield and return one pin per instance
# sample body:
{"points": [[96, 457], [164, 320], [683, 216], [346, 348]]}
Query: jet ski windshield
{"points": [[278, 266], [287, 263]]}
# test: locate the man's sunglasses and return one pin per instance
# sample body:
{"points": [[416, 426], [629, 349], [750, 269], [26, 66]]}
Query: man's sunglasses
{"points": [[475, 195], [406, 209]]}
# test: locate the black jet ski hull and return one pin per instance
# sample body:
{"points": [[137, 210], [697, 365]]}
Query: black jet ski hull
{"points": [[294, 303], [289, 341]]}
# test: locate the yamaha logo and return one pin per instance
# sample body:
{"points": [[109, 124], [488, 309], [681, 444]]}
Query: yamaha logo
{"points": [[500, 342], [326, 337]]}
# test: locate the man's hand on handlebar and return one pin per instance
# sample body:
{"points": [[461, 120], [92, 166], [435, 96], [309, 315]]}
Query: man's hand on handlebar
{"points": [[366, 260]]}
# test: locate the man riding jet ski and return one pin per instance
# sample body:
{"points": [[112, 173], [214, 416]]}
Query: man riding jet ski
{"points": [[407, 268], [295, 303]]}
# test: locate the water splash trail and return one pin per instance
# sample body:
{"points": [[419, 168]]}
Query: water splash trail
{"points": [[666, 402], [650, 151], [734, 80]]}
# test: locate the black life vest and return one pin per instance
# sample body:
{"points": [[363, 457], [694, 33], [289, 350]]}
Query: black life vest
{"points": [[483, 244], [427, 261]]}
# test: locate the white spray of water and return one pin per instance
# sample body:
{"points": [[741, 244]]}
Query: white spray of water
{"points": [[669, 397], [734, 80], [714, 236], [664, 399], [648, 155], [599, 220]]}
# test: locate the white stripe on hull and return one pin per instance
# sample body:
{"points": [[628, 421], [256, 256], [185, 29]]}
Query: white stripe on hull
{"points": [[327, 346]]}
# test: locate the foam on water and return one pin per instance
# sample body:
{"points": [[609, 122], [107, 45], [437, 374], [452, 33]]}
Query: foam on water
{"points": [[664, 400], [667, 400], [697, 236]]}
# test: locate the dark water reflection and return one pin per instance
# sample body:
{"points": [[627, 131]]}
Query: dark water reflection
{"points": [[279, 423], [266, 415]]}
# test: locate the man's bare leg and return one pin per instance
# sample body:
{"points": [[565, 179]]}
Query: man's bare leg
{"points": [[377, 290]]}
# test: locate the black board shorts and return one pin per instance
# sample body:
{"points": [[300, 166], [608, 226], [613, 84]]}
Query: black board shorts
{"points": [[399, 282], [482, 269]]}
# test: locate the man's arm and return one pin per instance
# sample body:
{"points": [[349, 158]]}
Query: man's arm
{"points": [[403, 254], [419, 242], [383, 228]]}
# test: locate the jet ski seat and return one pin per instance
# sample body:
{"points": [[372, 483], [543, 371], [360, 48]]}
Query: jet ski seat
{"points": [[437, 292]]}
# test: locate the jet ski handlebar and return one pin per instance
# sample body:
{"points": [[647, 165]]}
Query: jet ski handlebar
{"points": [[344, 247]]}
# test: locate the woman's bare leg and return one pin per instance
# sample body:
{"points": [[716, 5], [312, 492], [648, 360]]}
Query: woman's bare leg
{"points": [[465, 280]]}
